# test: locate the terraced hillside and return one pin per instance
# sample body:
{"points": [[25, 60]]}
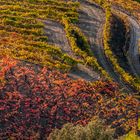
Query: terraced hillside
{"points": [[23, 35], [63, 62]]}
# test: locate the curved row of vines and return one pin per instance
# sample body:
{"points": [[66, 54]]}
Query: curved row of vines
{"points": [[22, 31], [81, 48], [133, 81], [123, 74]]}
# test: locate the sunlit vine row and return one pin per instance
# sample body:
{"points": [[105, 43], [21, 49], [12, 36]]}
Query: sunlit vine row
{"points": [[22, 31]]}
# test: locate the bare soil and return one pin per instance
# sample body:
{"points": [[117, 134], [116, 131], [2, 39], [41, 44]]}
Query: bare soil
{"points": [[57, 37]]}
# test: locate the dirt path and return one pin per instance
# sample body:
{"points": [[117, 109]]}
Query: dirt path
{"points": [[57, 37], [91, 21]]}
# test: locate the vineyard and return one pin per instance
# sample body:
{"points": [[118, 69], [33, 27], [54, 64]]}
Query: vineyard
{"points": [[36, 100], [22, 34], [62, 69]]}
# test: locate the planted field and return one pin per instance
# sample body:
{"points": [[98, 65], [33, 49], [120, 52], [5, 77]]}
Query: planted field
{"points": [[23, 33], [61, 68], [36, 100]]}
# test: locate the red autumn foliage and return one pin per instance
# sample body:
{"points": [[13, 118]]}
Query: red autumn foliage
{"points": [[37, 100]]}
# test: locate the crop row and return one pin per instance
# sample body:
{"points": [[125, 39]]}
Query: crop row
{"points": [[123, 74], [41, 11], [80, 46], [22, 31]]}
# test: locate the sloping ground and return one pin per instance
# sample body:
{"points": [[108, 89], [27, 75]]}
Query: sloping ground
{"points": [[91, 21], [132, 10], [57, 36], [22, 35], [133, 52], [35, 100], [131, 6], [21, 32], [119, 42]]}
